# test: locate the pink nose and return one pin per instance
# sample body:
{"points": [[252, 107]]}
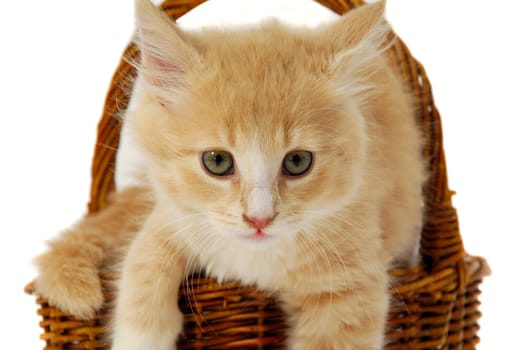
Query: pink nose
{"points": [[258, 223]]}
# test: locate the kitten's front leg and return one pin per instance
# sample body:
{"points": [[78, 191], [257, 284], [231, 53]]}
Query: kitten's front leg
{"points": [[69, 271], [147, 315], [343, 320]]}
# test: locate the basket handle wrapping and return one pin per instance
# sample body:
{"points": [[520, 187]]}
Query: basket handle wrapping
{"points": [[441, 243]]}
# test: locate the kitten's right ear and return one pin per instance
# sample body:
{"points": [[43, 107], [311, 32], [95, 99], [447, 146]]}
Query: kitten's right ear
{"points": [[166, 58]]}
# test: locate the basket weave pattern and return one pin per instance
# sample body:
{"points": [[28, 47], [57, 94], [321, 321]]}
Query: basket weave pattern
{"points": [[434, 306]]}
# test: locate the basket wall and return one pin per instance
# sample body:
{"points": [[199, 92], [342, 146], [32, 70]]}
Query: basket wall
{"points": [[434, 306]]}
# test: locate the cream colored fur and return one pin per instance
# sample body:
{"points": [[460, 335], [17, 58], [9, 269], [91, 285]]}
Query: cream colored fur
{"points": [[258, 93]]}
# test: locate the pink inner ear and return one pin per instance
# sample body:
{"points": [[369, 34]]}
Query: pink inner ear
{"points": [[163, 65], [161, 72]]}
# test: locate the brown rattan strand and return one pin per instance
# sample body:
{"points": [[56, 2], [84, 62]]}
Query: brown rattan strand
{"points": [[434, 305]]}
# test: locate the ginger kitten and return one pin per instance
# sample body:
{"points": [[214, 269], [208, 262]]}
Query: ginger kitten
{"points": [[282, 157]]}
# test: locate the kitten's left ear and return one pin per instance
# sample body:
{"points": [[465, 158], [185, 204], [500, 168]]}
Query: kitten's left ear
{"points": [[354, 44], [363, 25]]}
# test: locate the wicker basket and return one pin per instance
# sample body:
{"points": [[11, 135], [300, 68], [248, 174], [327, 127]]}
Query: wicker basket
{"points": [[434, 306]]}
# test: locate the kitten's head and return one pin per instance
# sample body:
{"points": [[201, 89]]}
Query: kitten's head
{"points": [[256, 134]]}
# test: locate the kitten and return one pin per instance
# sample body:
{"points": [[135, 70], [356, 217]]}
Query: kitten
{"points": [[281, 157]]}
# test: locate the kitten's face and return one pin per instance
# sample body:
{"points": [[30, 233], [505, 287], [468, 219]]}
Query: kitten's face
{"points": [[278, 154], [248, 133]]}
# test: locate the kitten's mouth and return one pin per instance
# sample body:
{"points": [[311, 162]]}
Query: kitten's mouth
{"points": [[258, 235]]}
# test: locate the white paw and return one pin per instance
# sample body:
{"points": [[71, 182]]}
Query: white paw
{"points": [[128, 339], [72, 286]]}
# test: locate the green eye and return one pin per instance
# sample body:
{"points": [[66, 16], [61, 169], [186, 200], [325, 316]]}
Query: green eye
{"points": [[297, 163], [219, 163]]}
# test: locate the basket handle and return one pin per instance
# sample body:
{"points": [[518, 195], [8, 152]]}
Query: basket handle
{"points": [[441, 243]]}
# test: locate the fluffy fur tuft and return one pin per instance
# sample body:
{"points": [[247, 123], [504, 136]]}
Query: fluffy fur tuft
{"points": [[323, 241]]}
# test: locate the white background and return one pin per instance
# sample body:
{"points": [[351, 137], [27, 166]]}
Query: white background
{"points": [[56, 61]]}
